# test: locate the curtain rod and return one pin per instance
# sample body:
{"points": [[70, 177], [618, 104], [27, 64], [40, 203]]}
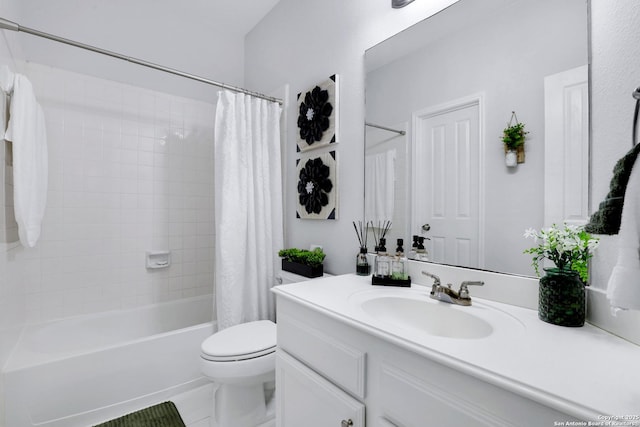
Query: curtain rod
{"points": [[401, 132], [12, 26]]}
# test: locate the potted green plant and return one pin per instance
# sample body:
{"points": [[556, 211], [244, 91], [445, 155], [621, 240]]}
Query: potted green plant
{"points": [[561, 298], [303, 262], [513, 137]]}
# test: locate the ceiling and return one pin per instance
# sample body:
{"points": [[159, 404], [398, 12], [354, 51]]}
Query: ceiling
{"points": [[236, 17], [201, 37]]}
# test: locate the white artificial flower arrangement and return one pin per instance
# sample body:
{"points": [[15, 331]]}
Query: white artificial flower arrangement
{"points": [[569, 247]]}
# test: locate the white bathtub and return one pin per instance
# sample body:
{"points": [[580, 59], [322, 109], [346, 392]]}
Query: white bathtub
{"points": [[84, 370]]}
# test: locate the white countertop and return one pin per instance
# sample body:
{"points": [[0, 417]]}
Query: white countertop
{"points": [[583, 372]]}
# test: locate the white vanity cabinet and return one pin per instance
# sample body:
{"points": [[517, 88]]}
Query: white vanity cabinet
{"points": [[320, 377], [331, 371], [307, 399]]}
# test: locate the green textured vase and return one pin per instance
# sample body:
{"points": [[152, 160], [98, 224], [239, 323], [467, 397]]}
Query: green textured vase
{"points": [[561, 299]]}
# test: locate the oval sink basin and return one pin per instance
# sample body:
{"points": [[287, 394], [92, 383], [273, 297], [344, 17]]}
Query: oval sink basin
{"points": [[427, 316]]}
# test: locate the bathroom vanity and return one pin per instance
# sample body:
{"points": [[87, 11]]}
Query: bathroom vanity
{"points": [[351, 354]]}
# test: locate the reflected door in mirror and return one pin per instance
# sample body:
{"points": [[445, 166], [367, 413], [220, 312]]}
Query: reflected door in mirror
{"points": [[446, 177]]}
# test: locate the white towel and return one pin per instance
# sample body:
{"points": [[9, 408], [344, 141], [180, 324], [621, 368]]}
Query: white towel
{"points": [[27, 131], [623, 290]]}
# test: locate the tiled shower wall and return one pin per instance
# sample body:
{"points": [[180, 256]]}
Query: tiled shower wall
{"points": [[130, 171]]}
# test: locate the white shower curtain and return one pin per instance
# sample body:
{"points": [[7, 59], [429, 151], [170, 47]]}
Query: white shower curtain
{"points": [[248, 207]]}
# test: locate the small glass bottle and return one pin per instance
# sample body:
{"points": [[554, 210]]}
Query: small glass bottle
{"points": [[414, 248], [362, 263], [382, 265], [421, 252], [398, 264]]}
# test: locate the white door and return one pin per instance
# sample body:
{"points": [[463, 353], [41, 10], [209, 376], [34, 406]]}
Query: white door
{"points": [[446, 182], [304, 398]]}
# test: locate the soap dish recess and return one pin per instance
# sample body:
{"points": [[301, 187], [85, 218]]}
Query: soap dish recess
{"points": [[158, 259]]}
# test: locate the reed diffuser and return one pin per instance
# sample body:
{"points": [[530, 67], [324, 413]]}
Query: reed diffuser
{"points": [[362, 263]]}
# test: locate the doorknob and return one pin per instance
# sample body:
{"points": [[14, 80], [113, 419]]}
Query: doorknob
{"points": [[346, 423], [426, 227]]}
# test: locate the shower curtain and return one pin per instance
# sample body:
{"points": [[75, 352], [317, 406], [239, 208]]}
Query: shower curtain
{"points": [[248, 207]]}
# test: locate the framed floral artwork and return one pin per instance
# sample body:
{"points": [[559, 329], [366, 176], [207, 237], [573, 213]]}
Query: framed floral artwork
{"points": [[318, 115], [317, 187]]}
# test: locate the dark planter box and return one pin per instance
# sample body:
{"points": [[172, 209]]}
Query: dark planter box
{"points": [[302, 269]]}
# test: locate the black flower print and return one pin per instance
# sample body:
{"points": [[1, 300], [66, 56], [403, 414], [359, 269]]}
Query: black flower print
{"points": [[313, 185], [313, 116]]}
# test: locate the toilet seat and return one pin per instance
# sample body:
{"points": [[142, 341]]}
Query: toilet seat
{"points": [[241, 342]]}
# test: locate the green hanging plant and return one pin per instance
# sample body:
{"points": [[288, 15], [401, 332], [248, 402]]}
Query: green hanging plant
{"points": [[513, 136]]}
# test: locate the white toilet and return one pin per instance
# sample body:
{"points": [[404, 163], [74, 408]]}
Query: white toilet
{"points": [[242, 361]]}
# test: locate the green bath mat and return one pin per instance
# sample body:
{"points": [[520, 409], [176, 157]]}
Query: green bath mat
{"points": [[161, 415]]}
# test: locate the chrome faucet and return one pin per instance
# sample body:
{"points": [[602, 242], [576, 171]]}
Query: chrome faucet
{"points": [[447, 294]]}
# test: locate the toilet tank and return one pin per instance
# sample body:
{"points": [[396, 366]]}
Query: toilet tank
{"points": [[286, 277]]}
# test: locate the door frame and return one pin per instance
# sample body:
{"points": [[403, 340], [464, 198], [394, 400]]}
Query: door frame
{"points": [[416, 129], [564, 149]]}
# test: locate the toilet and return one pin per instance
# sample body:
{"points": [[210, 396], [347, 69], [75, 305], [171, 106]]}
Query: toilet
{"points": [[241, 360]]}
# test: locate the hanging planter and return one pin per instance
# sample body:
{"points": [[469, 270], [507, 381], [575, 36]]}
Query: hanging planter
{"points": [[511, 158], [513, 137]]}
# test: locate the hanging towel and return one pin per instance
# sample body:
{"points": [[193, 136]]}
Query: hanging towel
{"points": [[380, 186], [623, 290], [606, 220], [27, 132]]}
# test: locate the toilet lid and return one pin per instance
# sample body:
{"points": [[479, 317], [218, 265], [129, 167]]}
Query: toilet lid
{"points": [[240, 342]]}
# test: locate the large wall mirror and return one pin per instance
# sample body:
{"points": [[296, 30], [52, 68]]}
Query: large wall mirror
{"points": [[438, 96]]}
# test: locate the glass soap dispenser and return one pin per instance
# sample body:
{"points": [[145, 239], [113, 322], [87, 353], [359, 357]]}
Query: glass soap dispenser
{"points": [[382, 267], [399, 263], [422, 254], [413, 253]]}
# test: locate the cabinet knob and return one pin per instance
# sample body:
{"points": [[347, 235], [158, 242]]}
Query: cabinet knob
{"points": [[346, 423]]}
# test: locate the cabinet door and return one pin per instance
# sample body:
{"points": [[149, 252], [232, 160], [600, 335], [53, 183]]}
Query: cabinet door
{"points": [[304, 398]]}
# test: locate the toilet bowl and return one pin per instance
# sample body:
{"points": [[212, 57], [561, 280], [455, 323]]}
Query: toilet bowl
{"points": [[241, 360]]}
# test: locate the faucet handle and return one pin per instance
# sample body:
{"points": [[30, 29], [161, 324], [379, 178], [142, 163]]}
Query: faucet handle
{"points": [[464, 291], [436, 279]]}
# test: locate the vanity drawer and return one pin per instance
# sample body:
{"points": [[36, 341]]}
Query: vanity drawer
{"points": [[339, 362]]}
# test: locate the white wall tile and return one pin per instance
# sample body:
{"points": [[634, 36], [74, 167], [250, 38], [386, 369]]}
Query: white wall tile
{"points": [[130, 171]]}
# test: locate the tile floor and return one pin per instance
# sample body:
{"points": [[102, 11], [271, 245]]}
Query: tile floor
{"points": [[195, 407]]}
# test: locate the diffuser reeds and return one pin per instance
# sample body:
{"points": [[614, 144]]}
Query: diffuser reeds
{"points": [[362, 233]]}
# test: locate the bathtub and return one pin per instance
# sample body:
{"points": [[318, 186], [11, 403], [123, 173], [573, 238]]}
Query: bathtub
{"points": [[87, 369]]}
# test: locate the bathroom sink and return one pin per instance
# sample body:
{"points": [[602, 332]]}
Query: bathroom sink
{"points": [[412, 311], [434, 318]]}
